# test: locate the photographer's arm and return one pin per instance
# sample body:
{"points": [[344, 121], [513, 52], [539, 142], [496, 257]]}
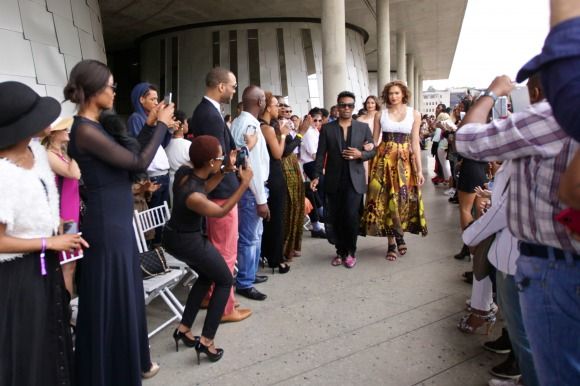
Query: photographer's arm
{"points": [[199, 203]]}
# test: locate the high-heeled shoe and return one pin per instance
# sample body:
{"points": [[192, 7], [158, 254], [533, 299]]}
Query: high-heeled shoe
{"points": [[178, 335], [213, 357], [401, 245], [282, 268], [471, 322], [463, 253], [152, 371]]}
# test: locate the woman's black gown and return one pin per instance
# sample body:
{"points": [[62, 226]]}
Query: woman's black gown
{"points": [[112, 347]]}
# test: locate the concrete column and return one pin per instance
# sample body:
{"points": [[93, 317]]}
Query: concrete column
{"points": [[416, 86], [411, 77], [420, 91], [333, 50], [383, 42], [402, 56]]}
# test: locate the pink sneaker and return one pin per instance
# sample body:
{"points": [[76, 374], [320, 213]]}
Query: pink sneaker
{"points": [[350, 261], [336, 261]]}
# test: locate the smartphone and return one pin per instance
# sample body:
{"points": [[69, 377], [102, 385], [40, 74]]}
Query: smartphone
{"points": [[570, 218], [251, 130], [500, 108], [70, 227], [168, 98]]}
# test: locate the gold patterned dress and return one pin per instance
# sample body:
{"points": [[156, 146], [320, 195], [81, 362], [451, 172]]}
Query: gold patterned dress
{"points": [[393, 202]]}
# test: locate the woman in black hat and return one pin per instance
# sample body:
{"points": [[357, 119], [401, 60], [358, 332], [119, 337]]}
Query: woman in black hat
{"points": [[36, 346], [112, 347]]}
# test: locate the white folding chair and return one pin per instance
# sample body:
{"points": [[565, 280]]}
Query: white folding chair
{"points": [[161, 286], [157, 217], [67, 258]]}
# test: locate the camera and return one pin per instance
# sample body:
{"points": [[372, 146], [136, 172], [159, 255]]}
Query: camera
{"points": [[500, 108], [242, 157]]}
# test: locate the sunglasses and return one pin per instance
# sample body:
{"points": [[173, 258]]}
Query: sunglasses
{"points": [[288, 111], [317, 120], [346, 105]]}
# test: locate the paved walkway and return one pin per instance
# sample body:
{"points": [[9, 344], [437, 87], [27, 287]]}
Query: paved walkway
{"points": [[380, 323]]}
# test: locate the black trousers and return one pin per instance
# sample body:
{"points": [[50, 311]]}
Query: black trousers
{"points": [[201, 256], [343, 211]]}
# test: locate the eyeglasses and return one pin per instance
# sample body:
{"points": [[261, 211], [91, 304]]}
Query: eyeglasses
{"points": [[346, 105], [113, 86], [220, 158], [317, 120], [288, 111]]}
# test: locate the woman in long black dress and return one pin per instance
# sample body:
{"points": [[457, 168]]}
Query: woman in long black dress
{"points": [[273, 236], [183, 238], [111, 344]]}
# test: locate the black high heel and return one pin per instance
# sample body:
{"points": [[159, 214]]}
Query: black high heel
{"points": [[201, 349], [463, 253], [401, 245], [178, 335], [282, 268]]}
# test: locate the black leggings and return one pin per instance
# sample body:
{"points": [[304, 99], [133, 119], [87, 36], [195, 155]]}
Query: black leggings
{"points": [[203, 258]]}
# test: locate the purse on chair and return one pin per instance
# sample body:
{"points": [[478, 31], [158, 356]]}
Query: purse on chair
{"points": [[153, 263]]}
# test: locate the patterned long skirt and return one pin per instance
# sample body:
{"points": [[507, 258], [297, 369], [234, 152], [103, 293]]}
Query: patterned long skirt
{"points": [[393, 202], [294, 208]]}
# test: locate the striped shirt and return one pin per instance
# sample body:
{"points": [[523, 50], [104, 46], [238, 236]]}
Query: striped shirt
{"points": [[504, 251], [540, 151]]}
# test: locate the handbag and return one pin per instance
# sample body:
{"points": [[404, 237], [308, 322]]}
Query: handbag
{"points": [[153, 263]]}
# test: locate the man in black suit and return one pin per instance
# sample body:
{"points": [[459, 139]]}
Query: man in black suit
{"points": [[207, 120], [345, 144]]}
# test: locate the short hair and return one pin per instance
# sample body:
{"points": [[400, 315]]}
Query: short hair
{"points": [[399, 84], [442, 105], [324, 112], [314, 111], [217, 75], [345, 94], [227, 117], [150, 88], [203, 149]]}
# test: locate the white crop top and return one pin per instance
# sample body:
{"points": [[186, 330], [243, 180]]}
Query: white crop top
{"points": [[404, 127]]}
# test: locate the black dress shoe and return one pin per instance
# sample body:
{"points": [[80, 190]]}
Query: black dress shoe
{"points": [[260, 279], [318, 234], [251, 293]]}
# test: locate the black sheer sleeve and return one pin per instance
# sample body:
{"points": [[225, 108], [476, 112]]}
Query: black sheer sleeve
{"points": [[291, 144], [89, 139]]}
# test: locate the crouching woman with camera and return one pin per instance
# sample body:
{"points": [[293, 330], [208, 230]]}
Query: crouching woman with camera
{"points": [[182, 237]]}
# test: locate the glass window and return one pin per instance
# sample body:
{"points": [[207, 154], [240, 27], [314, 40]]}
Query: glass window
{"points": [[215, 39], [254, 56], [314, 100], [282, 61]]}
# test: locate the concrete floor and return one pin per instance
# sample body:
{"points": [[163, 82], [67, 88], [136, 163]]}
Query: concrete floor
{"points": [[380, 323]]}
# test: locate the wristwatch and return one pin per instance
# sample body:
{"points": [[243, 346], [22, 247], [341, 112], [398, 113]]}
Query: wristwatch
{"points": [[490, 94]]}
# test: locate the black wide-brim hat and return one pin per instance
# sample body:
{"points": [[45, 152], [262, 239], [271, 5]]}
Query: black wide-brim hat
{"points": [[23, 113]]}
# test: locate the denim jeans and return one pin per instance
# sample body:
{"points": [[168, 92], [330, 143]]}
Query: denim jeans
{"points": [[250, 228], [509, 302], [550, 300]]}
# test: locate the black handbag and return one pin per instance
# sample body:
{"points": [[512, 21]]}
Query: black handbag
{"points": [[153, 263]]}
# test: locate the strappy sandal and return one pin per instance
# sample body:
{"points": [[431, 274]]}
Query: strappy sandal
{"points": [[401, 245], [471, 322], [392, 252]]}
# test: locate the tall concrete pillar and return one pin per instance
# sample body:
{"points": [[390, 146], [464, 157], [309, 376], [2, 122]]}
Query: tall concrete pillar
{"points": [[420, 91], [333, 50], [383, 42], [411, 77], [402, 56], [416, 86]]}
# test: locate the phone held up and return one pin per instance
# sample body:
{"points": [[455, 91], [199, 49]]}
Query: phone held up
{"points": [[242, 157], [168, 98]]}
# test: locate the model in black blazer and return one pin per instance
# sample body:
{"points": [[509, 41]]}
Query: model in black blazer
{"points": [[207, 120], [330, 147]]}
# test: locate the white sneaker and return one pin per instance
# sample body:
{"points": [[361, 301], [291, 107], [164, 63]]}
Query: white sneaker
{"points": [[450, 192], [503, 382]]}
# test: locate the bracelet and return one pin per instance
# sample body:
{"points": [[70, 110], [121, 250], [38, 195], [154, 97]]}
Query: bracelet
{"points": [[283, 136], [299, 135], [42, 257]]}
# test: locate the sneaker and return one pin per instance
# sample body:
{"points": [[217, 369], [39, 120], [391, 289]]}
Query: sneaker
{"points": [[450, 192], [336, 261], [501, 345], [350, 261], [508, 369]]}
